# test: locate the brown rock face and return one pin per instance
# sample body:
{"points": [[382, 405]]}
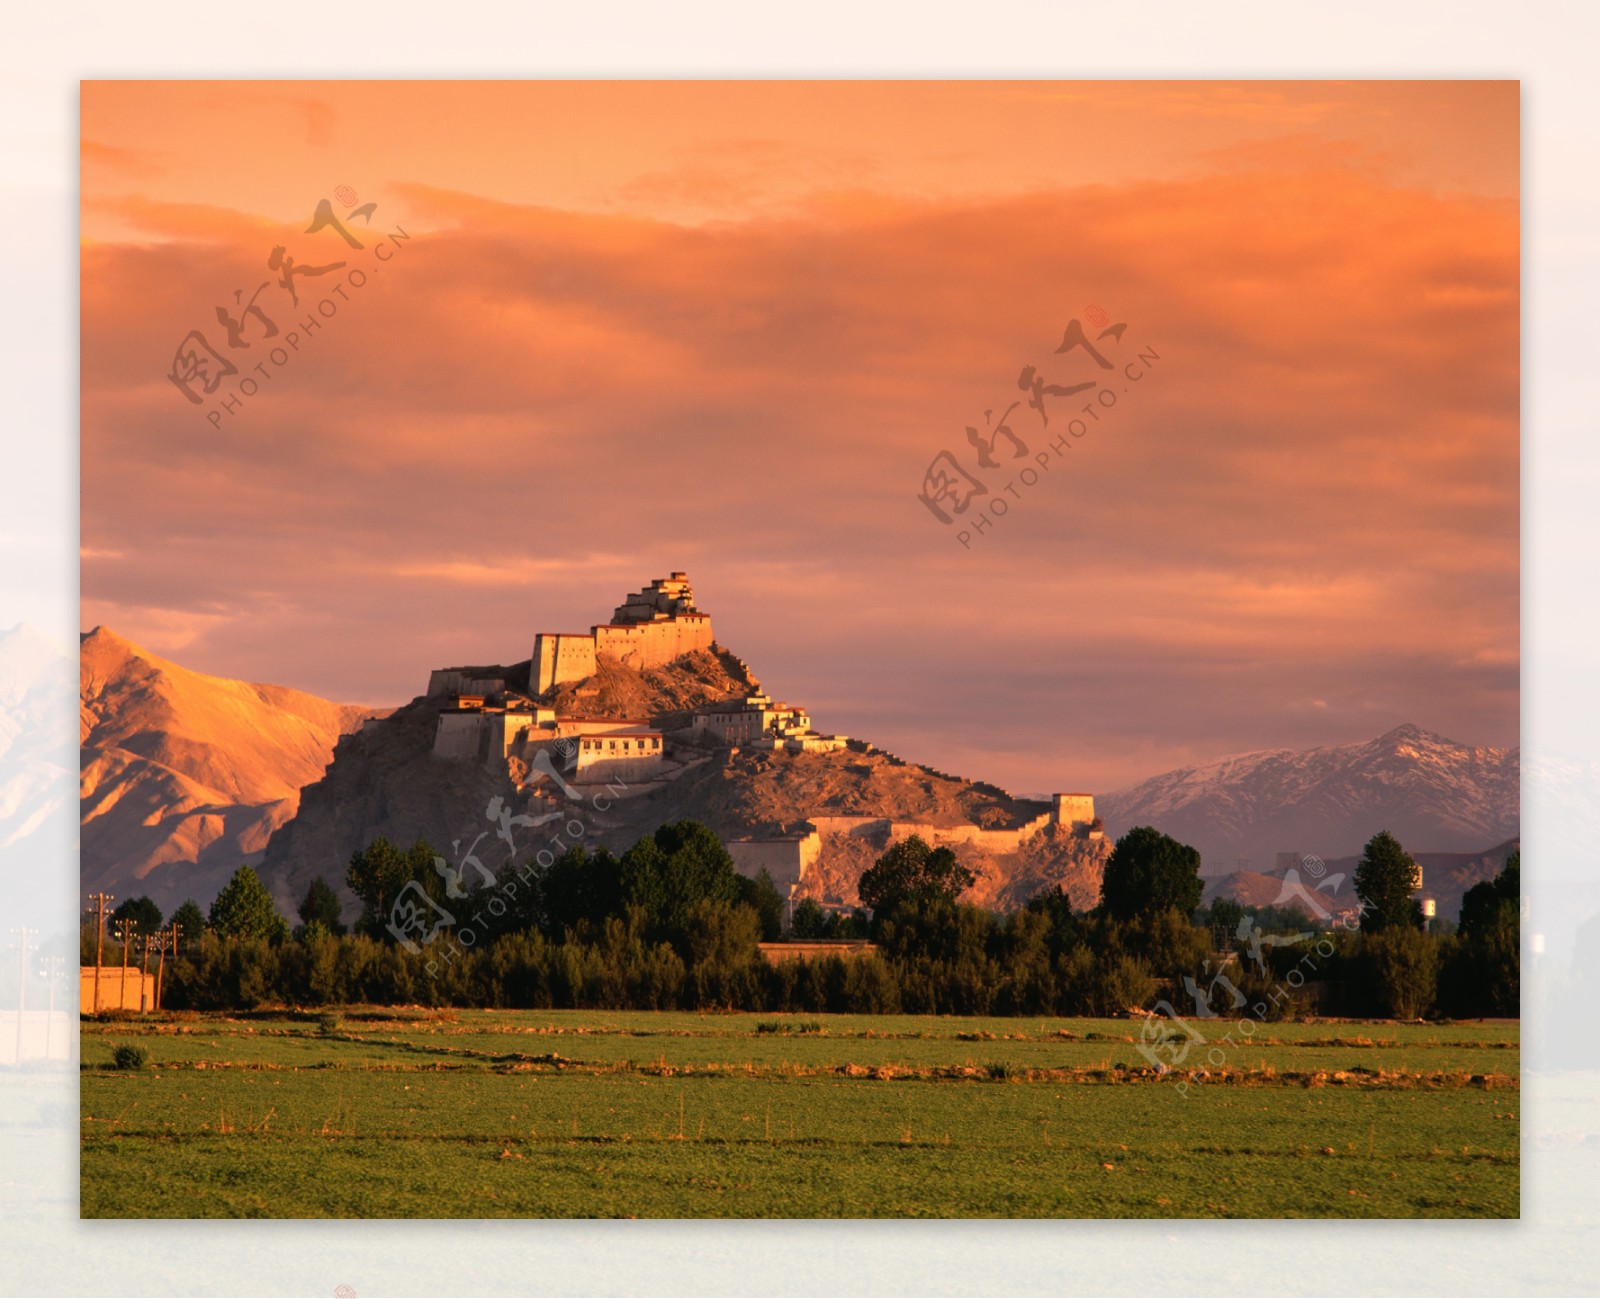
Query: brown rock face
{"points": [[183, 776]]}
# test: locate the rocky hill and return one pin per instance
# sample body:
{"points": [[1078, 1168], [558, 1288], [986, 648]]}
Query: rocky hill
{"points": [[386, 780], [1433, 794], [183, 776]]}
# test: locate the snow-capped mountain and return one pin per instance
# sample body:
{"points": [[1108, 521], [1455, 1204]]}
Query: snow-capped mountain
{"points": [[1433, 794]]}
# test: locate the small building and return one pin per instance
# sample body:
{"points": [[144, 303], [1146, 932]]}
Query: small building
{"points": [[787, 859], [744, 721], [1072, 809], [114, 987], [811, 949], [619, 755]]}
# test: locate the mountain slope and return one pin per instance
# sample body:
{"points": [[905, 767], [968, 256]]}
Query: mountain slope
{"points": [[36, 828], [1433, 794], [386, 780], [181, 775]]}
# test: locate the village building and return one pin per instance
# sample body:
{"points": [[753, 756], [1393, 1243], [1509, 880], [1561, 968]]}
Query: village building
{"points": [[619, 755], [743, 721]]}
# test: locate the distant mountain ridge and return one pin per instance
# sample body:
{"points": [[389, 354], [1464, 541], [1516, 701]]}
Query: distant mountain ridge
{"points": [[182, 776], [35, 773], [1431, 793]]}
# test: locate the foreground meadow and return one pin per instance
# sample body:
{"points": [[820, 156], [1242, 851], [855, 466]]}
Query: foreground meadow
{"points": [[373, 1113]]}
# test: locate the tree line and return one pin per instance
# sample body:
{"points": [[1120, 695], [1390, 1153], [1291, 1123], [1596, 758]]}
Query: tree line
{"points": [[671, 924]]}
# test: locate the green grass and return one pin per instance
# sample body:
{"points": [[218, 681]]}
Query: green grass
{"points": [[583, 1113]]}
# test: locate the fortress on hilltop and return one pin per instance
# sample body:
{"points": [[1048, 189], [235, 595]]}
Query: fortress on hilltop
{"points": [[648, 629], [515, 724]]}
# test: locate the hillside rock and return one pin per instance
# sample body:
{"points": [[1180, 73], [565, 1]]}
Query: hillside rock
{"points": [[183, 776]]}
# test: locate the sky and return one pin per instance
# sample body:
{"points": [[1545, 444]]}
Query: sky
{"points": [[604, 331]]}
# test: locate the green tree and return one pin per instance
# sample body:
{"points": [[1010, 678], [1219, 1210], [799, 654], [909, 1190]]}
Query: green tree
{"points": [[912, 872], [1404, 965], [1485, 906], [142, 911], [321, 906], [244, 909], [577, 890], [191, 921], [376, 875], [1385, 880], [1222, 918], [666, 874], [809, 920], [1486, 974], [761, 896], [1149, 872]]}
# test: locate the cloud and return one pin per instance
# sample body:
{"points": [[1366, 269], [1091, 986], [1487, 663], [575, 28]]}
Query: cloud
{"points": [[1312, 496]]}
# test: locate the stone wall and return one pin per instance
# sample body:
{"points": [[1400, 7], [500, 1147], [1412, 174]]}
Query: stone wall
{"points": [[787, 860], [654, 644], [463, 681], [892, 832], [559, 658], [459, 735], [1069, 809]]}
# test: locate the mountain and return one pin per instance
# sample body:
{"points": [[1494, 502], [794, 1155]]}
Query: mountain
{"points": [[1432, 794], [815, 810], [36, 829], [183, 776]]}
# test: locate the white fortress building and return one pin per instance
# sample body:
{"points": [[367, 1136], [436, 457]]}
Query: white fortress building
{"points": [[648, 629], [489, 716]]}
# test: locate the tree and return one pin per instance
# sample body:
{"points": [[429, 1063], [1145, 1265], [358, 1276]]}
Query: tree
{"points": [[1404, 963], [809, 920], [577, 889], [321, 906], [1486, 974], [1385, 881], [912, 871], [376, 875], [668, 872], [244, 909], [1149, 872], [761, 896], [1485, 906], [142, 911], [191, 921]]}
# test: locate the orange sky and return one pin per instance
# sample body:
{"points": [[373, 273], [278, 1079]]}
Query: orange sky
{"points": [[725, 327]]}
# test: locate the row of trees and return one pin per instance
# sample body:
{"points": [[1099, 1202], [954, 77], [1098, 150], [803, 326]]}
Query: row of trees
{"points": [[671, 923]]}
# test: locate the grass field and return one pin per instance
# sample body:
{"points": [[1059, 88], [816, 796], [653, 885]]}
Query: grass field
{"points": [[590, 1113]]}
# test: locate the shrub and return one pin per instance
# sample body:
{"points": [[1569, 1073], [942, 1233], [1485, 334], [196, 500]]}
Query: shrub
{"points": [[128, 1056]]}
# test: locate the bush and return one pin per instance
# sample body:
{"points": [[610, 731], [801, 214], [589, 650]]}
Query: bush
{"points": [[130, 1057], [328, 1022]]}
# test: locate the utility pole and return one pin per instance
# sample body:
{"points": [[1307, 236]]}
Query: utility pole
{"points": [[99, 900], [144, 973], [51, 970], [127, 933], [166, 938], [22, 982]]}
